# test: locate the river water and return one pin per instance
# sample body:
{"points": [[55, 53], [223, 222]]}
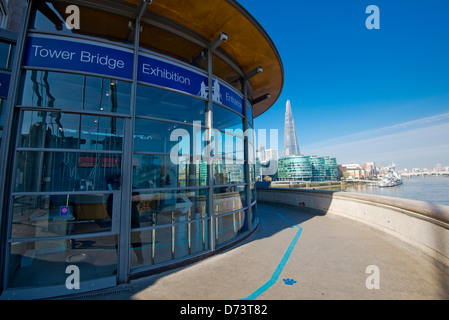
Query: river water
{"points": [[430, 189]]}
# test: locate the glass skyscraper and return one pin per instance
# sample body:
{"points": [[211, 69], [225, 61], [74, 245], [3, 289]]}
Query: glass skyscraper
{"points": [[291, 146]]}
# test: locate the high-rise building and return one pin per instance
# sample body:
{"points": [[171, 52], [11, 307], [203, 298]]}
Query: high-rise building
{"points": [[297, 167], [291, 146]]}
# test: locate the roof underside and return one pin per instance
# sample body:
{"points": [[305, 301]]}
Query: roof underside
{"points": [[248, 44]]}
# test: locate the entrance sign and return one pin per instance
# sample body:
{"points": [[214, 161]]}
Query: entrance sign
{"points": [[78, 55], [171, 75], [72, 54]]}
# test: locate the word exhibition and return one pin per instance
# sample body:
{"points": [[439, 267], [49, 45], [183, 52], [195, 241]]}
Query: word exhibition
{"points": [[61, 53]]}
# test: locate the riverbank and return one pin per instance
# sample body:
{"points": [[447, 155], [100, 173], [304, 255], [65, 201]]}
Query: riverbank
{"points": [[434, 189]]}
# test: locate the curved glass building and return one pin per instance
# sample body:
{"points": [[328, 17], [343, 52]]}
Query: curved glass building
{"points": [[295, 168], [126, 138], [331, 168], [318, 168]]}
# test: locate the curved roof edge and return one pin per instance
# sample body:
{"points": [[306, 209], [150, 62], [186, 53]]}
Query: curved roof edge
{"points": [[248, 44]]}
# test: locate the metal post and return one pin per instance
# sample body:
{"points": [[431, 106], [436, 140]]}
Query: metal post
{"points": [[246, 148], [7, 145], [126, 188], [210, 170]]}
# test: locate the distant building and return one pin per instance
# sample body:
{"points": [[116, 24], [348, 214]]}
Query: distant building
{"points": [[370, 169], [331, 168], [298, 167], [354, 171], [318, 168], [291, 146], [271, 154]]}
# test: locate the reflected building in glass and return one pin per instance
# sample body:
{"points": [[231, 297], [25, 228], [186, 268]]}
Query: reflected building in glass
{"points": [[127, 153]]}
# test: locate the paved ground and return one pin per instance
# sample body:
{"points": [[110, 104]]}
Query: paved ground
{"points": [[298, 255]]}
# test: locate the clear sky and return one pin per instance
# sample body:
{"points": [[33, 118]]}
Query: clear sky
{"points": [[358, 94]]}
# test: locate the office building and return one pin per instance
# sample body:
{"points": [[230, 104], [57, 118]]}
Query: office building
{"points": [[291, 146]]}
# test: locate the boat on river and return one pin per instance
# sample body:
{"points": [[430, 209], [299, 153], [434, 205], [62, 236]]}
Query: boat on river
{"points": [[390, 179]]}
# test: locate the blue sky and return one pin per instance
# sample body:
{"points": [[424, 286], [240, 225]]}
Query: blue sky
{"points": [[358, 94]]}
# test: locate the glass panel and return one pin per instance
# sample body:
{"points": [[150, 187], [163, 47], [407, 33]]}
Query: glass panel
{"points": [[253, 193], [155, 136], [228, 199], [154, 102], [74, 92], [61, 215], [158, 171], [228, 146], [42, 129], [164, 244], [2, 117], [225, 119], [254, 215], [249, 114], [227, 172], [43, 263], [64, 171], [6, 54], [166, 207], [50, 16], [252, 173], [229, 226]]}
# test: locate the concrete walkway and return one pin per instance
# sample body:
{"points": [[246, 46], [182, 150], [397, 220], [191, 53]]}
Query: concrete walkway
{"points": [[298, 255]]}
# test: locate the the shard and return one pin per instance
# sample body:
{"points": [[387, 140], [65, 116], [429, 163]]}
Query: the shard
{"points": [[291, 146]]}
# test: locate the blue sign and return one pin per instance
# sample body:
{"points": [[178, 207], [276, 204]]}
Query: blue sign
{"points": [[5, 78], [78, 55], [54, 52], [64, 211], [171, 75], [227, 96], [175, 76]]}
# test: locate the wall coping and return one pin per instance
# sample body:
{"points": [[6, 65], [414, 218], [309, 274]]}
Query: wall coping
{"points": [[427, 209]]}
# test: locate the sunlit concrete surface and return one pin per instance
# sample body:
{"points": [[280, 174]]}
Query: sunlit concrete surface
{"points": [[295, 254]]}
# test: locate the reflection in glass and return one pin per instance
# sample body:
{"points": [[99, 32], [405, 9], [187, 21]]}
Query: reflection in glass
{"points": [[229, 226], [166, 137], [165, 244], [225, 119], [158, 103], [74, 92], [228, 146], [6, 55], [254, 217], [158, 171], [61, 215], [253, 193], [42, 129], [227, 199], [228, 172], [2, 116], [43, 263], [38, 171], [249, 114], [166, 207]]}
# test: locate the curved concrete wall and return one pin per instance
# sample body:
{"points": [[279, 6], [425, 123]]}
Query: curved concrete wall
{"points": [[421, 224]]}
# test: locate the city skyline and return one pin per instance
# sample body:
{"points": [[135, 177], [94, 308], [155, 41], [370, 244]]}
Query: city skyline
{"points": [[359, 94]]}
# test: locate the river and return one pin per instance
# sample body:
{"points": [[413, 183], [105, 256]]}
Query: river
{"points": [[430, 189]]}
